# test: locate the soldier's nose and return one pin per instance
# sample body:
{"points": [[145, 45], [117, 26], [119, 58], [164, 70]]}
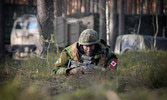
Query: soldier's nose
{"points": [[88, 49]]}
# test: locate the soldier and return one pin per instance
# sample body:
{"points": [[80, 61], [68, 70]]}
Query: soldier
{"points": [[88, 51]]}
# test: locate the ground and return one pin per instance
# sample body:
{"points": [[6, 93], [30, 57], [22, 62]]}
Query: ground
{"points": [[141, 75]]}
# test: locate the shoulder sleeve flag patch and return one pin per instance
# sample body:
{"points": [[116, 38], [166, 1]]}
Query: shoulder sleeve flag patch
{"points": [[113, 64], [58, 61]]}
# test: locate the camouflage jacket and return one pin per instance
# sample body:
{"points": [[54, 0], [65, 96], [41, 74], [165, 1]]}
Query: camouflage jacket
{"points": [[104, 57]]}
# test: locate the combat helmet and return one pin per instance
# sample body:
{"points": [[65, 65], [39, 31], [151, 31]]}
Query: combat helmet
{"points": [[88, 37]]}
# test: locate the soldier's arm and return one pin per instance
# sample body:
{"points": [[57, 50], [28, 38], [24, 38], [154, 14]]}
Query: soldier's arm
{"points": [[112, 60], [61, 64], [112, 63]]}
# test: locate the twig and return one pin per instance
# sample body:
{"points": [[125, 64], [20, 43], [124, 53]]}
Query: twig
{"points": [[156, 33]]}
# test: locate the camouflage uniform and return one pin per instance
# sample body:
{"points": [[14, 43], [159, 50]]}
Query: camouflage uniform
{"points": [[104, 56]]}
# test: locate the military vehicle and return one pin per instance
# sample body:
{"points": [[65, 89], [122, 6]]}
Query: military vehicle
{"points": [[25, 37], [132, 42]]}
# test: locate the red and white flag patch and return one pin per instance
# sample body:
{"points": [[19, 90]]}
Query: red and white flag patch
{"points": [[113, 64]]}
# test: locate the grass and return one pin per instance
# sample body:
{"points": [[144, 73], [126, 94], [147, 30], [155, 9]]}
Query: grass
{"points": [[141, 75], [145, 94], [143, 68]]}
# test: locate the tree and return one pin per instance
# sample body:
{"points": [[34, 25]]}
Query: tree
{"points": [[58, 8], [91, 6], [134, 8], [102, 27], [96, 7], [70, 6], [138, 6], [87, 7], [150, 6], [129, 6], [146, 6], [45, 19], [79, 5], [64, 8], [113, 24], [125, 6], [121, 17], [141, 6], [1, 27], [160, 6]]}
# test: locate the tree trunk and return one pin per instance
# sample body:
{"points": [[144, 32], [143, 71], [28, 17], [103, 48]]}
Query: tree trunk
{"points": [[91, 6], [129, 6], [121, 18], [96, 8], [64, 8], [30, 2], [134, 7], [125, 6], [102, 29], [45, 19], [160, 7], [150, 8], [141, 6], [146, 6], [87, 7], [58, 7], [1, 27], [138, 6], [113, 25], [79, 5], [70, 6]]}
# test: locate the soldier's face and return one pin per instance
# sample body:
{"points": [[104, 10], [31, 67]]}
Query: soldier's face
{"points": [[89, 49]]}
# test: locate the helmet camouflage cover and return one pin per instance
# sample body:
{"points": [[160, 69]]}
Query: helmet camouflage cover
{"points": [[89, 37]]}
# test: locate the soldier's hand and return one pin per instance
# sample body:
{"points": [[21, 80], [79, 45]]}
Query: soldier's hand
{"points": [[75, 70]]}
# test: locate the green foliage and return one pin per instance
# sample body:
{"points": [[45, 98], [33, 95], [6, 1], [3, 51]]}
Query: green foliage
{"points": [[145, 94], [8, 69], [15, 91], [52, 38], [141, 76], [34, 68], [84, 94], [142, 68], [46, 40], [41, 37]]}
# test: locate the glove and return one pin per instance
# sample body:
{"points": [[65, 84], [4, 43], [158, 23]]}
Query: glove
{"points": [[75, 70]]}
